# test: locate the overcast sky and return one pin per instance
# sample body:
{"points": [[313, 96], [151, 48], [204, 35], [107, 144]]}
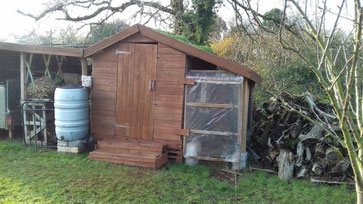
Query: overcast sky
{"points": [[13, 23]]}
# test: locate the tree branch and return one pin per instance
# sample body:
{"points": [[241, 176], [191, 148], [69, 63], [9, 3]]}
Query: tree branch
{"points": [[101, 7]]}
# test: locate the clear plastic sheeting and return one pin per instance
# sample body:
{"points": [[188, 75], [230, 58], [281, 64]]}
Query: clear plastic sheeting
{"points": [[212, 114], [209, 92], [215, 75], [214, 146], [211, 119]]}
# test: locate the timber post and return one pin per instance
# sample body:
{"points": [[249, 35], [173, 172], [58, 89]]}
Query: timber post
{"points": [[22, 77], [244, 112], [84, 67]]}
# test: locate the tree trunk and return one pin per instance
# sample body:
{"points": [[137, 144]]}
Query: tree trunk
{"points": [[179, 9], [359, 191]]}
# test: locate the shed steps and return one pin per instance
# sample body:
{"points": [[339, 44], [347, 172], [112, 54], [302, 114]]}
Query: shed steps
{"points": [[145, 154]]}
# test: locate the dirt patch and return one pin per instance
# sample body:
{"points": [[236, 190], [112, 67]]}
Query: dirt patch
{"points": [[216, 172], [226, 177], [3, 134]]}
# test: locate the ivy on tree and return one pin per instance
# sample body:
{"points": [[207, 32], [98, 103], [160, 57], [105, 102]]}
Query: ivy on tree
{"points": [[195, 21]]}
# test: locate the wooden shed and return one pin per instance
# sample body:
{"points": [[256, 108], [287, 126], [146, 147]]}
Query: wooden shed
{"points": [[139, 80]]}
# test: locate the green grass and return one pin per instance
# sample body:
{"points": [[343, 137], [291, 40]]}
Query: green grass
{"points": [[30, 175]]}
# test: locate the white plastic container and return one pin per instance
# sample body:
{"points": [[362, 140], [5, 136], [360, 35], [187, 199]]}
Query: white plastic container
{"points": [[243, 162], [192, 149]]}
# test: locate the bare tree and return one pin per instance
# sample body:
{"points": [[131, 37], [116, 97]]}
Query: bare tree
{"points": [[342, 81], [68, 36], [218, 30], [193, 18], [98, 11]]}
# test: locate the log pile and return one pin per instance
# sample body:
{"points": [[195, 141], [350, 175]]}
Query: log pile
{"points": [[292, 145]]}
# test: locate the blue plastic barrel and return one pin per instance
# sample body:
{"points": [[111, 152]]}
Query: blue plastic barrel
{"points": [[71, 113]]}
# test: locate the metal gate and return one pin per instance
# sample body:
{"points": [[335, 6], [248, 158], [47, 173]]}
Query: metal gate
{"points": [[38, 123]]}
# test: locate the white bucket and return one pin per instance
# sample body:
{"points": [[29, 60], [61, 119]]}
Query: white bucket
{"points": [[192, 150]]}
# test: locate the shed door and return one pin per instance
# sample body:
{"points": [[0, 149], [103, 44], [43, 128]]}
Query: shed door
{"points": [[135, 95]]}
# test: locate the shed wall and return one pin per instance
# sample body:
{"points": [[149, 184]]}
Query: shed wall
{"points": [[169, 94], [103, 96], [170, 74]]}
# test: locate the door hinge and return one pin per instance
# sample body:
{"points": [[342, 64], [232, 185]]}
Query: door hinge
{"points": [[121, 52]]}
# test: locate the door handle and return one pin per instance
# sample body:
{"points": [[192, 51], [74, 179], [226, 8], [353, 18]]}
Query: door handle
{"points": [[152, 85]]}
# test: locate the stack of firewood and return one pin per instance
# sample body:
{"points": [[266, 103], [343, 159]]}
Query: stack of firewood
{"points": [[288, 141]]}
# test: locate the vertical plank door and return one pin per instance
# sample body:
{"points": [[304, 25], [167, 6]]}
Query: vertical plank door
{"points": [[134, 108]]}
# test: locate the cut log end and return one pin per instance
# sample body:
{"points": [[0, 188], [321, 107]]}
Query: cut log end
{"points": [[286, 163]]}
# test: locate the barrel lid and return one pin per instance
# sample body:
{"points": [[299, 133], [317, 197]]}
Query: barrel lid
{"points": [[70, 87]]}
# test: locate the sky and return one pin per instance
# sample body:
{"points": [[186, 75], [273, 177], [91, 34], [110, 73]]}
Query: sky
{"points": [[13, 24]]}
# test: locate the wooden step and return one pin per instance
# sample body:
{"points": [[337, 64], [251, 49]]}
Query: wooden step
{"points": [[175, 155], [145, 160], [131, 146], [135, 152]]}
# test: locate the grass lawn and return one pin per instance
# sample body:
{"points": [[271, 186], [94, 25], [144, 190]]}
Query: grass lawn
{"points": [[29, 175]]}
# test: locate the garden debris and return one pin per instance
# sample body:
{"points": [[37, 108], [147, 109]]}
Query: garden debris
{"points": [[309, 149], [265, 170], [231, 172], [43, 88], [331, 182]]}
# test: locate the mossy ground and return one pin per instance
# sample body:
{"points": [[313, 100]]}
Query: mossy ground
{"points": [[29, 175]]}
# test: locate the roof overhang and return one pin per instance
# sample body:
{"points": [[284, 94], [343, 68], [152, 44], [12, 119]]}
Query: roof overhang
{"points": [[180, 46], [61, 51]]}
